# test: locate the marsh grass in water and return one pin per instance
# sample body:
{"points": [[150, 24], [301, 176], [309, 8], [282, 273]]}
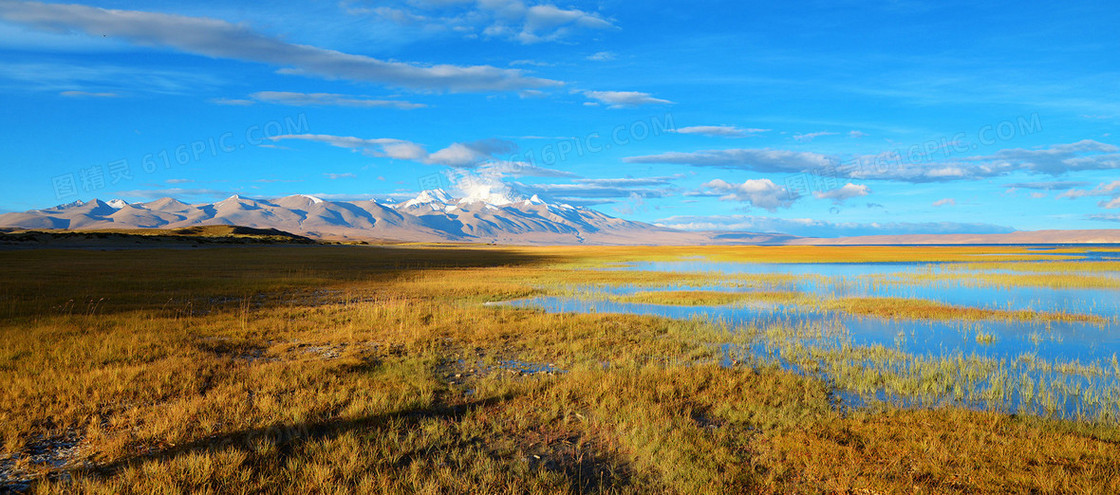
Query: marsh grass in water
{"points": [[864, 306]]}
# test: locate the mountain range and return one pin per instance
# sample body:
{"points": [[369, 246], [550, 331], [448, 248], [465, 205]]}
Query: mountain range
{"points": [[437, 216], [432, 216]]}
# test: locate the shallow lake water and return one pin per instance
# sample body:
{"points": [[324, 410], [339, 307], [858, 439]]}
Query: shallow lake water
{"points": [[888, 280], [1057, 342]]}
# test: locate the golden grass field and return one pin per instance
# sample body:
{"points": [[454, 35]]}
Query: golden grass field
{"points": [[329, 369]]}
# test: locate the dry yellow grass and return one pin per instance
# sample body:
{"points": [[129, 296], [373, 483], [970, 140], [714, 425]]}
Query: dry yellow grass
{"points": [[324, 369]]}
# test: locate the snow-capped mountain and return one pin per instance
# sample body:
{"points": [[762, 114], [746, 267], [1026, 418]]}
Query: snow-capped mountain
{"points": [[432, 216]]}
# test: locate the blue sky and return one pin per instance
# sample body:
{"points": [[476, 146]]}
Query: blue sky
{"points": [[815, 118]]}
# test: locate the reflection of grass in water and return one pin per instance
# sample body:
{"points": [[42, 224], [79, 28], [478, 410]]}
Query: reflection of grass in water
{"points": [[881, 307], [1042, 266], [891, 307], [1047, 280]]}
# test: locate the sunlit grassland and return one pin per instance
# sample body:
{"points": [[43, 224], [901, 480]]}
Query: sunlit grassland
{"points": [[379, 370]]}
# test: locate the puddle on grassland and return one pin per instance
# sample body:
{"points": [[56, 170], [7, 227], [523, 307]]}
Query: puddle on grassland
{"points": [[1058, 367]]}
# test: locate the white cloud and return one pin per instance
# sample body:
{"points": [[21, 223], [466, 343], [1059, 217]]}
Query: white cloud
{"points": [[842, 194], [328, 99], [483, 185], [945, 202], [220, 39], [719, 130], [624, 99], [334, 176], [457, 155], [762, 193]]}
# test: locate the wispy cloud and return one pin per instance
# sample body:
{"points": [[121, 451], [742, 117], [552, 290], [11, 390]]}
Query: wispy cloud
{"points": [[1104, 217], [523, 169], [513, 20], [757, 160], [1111, 189], [602, 56], [945, 202], [334, 176], [221, 39], [482, 153], [729, 131], [588, 192], [328, 99], [630, 181], [87, 94], [234, 102], [89, 79], [624, 99], [808, 227], [584, 191], [173, 192], [1047, 185], [381, 147], [1053, 160], [809, 137]]}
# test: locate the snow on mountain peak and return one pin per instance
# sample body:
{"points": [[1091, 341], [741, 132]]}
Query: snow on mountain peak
{"points": [[313, 199], [117, 203], [436, 198]]}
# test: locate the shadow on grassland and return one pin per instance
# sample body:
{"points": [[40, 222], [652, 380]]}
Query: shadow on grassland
{"points": [[89, 282], [268, 450]]}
